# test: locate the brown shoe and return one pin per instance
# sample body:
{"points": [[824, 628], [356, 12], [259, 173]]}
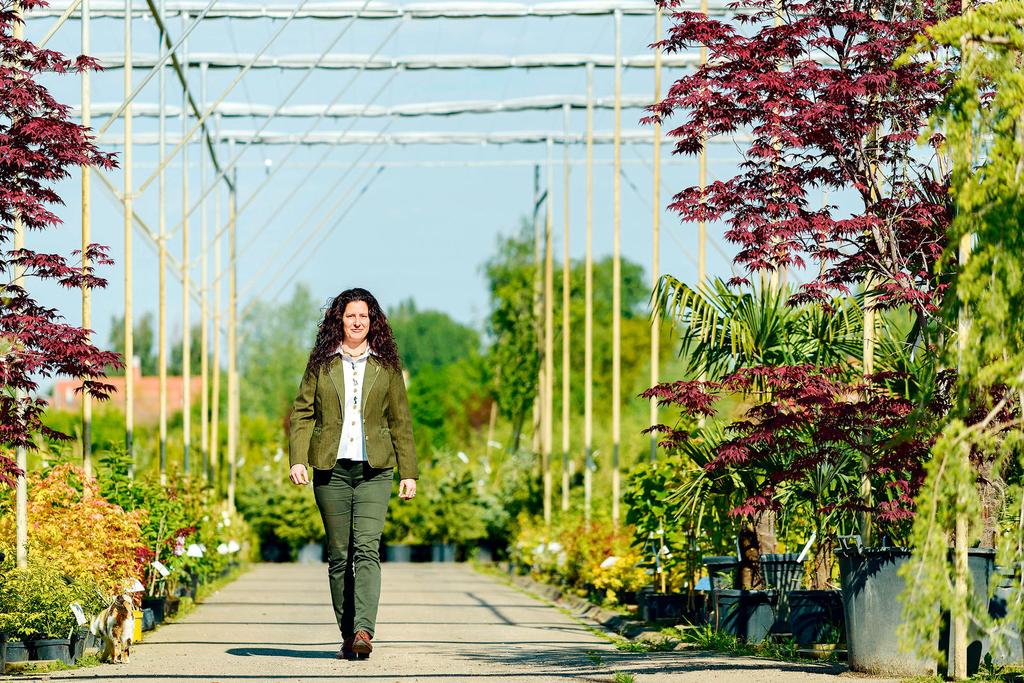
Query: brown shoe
{"points": [[346, 651], [361, 645]]}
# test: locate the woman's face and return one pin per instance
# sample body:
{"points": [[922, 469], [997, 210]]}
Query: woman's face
{"points": [[356, 320]]}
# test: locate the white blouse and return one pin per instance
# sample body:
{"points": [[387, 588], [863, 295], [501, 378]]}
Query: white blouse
{"points": [[353, 444]]}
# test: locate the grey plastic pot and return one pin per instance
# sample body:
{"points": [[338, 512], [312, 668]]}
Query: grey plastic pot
{"points": [[442, 552], [78, 639], [17, 650], [1012, 651], [748, 615], [398, 553], [54, 648], [873, 608], [156, 606]]}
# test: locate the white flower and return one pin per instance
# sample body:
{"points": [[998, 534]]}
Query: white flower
{"points": [[554, 546], [233, 546], [222, 549], [194, 550], [609, 561], [463, 457]]}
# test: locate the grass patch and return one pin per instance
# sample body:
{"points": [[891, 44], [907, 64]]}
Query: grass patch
{"points": [[623, 677], [663, 645], [709, 639]]}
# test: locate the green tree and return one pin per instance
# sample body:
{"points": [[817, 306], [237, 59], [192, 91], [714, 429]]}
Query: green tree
{"points": [[143, 347], [272, 354], [430, 338], [982, 119], [513, 325]]}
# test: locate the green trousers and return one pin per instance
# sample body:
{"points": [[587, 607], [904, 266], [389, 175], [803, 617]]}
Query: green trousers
{"points": [[353, 502]]}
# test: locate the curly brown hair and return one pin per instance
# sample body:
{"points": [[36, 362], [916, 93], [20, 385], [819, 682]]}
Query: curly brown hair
{"points": [[332, 331]]}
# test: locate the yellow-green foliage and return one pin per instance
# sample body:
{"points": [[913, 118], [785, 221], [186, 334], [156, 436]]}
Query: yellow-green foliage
{"points": [[571, 554], [982, 119]]}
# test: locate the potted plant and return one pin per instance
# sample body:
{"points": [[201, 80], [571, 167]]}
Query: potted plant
{"points": [[34, 608], [662, 539]]}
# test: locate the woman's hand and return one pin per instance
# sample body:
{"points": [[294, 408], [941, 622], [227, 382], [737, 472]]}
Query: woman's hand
{"points": [[407, 489], [299, 475]]}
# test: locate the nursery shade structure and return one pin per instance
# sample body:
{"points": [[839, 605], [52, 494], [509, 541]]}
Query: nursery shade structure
{"points": [[204, 112]]}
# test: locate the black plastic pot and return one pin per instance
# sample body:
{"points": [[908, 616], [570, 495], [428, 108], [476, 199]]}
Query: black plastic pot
{"points": [[748, 615], [782, 571], [17, 651], [873, 608], [157, 606], [171, 606], [54, 648], [815, 616], [670, 608], [719, 567]]}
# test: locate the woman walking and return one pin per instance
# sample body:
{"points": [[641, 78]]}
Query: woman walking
{"points": [[350, 421]]}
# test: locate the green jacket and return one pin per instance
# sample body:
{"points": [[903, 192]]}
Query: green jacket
{"points": [[318, 414]]}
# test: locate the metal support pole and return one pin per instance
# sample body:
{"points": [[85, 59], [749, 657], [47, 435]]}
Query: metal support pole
{"points": [[233, 413], [588, 334], [204, 296], [86, 239], [566, 270], [130, 96], [129, 337], [68, 11], [656, 238], [162, 267], [206, 112], [617, 274], [186, 265], [547, 411]]}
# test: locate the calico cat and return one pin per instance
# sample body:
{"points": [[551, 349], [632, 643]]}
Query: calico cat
{"points": [[116, 625]]}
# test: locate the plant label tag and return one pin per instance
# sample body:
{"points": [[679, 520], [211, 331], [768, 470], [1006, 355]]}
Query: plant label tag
{"points": [[159, 566], [194, 550], [136, 587], [79, 613]]}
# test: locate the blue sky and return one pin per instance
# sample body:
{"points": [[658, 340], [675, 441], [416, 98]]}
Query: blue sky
{"points": [[415, 232]]}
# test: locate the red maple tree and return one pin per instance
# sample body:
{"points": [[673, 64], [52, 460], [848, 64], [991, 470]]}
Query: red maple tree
{"points": [[39, 146], [813, 83], [815, 86]]}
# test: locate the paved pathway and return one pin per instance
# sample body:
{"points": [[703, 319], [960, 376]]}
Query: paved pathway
{"points": [[436, 623]]}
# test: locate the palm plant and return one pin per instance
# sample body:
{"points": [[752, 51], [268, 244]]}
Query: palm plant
{"points": [[725, 329]]}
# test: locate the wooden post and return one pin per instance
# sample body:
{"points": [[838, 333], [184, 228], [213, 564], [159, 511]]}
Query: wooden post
{"points": [[617, 274], [20, 453], [86, 239], [588, 325], [233, 412], [566, 271], [162, 258], [186, 266], [204, 296], [129, 332], [656, 238], [547, 410]]}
